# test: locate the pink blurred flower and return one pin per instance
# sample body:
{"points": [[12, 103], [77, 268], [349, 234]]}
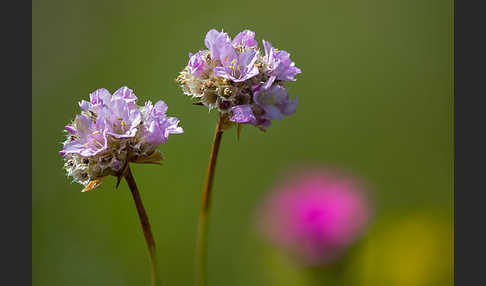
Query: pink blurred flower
{"points": [[315, 215]]}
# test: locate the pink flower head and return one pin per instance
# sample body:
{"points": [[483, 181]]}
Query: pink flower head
{"points": [[316, 216], [111, 131], [244, 84]]}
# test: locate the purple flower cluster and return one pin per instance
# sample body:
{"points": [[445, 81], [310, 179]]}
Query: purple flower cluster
{"points": [[113, 130], [234, 77]]}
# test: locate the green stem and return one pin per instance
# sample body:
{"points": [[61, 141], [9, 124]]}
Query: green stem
{"points": [[202, 245], [149, 238]]}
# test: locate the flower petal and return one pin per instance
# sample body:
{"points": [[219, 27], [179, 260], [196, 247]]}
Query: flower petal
{"points": [[242, 114]]}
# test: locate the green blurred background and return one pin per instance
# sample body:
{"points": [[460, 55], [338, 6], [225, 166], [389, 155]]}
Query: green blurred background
{"points": [[375, 98]]}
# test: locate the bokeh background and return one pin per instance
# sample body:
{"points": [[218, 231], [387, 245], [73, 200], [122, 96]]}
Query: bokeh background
{"points": [[375, 99]]}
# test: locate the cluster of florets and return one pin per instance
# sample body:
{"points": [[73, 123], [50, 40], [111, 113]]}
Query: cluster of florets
{"points": [[240, 82], [110, 132]]}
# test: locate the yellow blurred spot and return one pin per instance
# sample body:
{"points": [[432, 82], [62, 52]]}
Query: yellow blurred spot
{"points": [[412, 251]]}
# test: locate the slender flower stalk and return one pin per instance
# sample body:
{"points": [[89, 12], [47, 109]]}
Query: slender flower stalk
{"points": [[144, 221], [246, 87], [111, 132], [202, 235]]}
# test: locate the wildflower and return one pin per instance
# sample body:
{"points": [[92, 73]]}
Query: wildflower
{"points": [[110, 132], [245, 87], [197, 65], [315, 216], [235, 78], [246, 39], [279, 65], [238, 68]]}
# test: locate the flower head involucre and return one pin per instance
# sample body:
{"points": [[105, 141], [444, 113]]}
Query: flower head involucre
{"points": [[111, 131], [235, 78]]}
